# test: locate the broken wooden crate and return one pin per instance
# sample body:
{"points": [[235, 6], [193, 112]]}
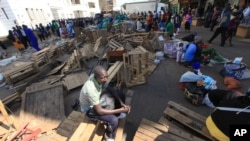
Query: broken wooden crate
{"points": [[137, 66], [74, 62]]}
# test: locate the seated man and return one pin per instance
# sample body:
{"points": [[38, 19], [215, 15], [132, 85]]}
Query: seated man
{"points": [[90, 100]]}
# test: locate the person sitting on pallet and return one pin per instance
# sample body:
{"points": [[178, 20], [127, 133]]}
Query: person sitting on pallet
{"points": [[92, 105]]}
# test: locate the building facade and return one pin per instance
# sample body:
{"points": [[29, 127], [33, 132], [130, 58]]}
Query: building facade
{"points": [[32, 12]]}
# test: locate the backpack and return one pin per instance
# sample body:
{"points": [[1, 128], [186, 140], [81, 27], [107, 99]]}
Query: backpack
{"points": [[193, 94]]}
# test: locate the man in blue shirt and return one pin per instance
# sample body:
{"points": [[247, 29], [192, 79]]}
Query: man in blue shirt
{"points": [[224, 23]]}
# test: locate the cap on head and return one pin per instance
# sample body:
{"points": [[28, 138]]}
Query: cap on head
{"points": [[197, 39]]}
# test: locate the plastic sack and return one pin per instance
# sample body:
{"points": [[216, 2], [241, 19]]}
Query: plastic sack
{"points": [[233, 70]]}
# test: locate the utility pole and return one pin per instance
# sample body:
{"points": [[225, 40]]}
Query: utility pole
{"points": [[156, 5]]}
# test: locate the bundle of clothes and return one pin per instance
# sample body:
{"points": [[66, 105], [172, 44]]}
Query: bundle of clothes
{"points": [[231, 106]]}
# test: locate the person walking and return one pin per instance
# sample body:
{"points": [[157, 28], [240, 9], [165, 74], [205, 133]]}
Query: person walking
{"points": [[234, 22], [224, 23], [170, 28], [188, 18], [32, 37], [214, 19]]}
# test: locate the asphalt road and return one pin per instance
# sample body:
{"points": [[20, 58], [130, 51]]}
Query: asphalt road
{"points": [[150, 100]]}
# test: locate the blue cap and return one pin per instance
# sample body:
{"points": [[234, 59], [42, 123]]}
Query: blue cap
{"points": [[196, 65]]}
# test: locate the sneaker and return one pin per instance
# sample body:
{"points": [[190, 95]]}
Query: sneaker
{"points": [[122, 115], [108, 138], [209, 65]]}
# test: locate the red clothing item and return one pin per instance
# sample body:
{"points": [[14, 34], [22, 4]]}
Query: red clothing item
{"points": [[234, 23], [150, 19]]}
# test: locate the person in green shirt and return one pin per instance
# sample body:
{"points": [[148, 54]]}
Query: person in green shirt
{"points": [[90, 100], [170, 28]]}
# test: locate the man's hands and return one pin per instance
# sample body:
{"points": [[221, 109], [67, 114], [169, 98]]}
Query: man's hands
{"points": [[126, 108]]}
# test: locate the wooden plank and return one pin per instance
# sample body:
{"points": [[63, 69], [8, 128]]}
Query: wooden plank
{"points": [[55, 70], [9, 119], [11, 98], [122, 122], [43, 109], [174, 129], [75, 80], [114, 70], [78, 132], [188, 118], [154, 131], [36, 87]]}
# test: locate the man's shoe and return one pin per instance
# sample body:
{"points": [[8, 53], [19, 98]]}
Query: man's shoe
{"points": [[122, 115], [108, 138]]}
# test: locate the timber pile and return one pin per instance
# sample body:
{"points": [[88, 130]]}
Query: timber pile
{"points": [[177, 123], [93, 35], [74, 62], [21, 74], [41, 58]]}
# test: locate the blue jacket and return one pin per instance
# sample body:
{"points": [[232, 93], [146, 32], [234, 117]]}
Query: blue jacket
{"points": [[190, 52]]}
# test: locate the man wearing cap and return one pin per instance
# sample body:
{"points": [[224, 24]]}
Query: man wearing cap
{"points": [[224, 23]]}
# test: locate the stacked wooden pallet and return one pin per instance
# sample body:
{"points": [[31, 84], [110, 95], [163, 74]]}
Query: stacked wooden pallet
{"points": [[41, 58], [185, 125], [20, 74]]}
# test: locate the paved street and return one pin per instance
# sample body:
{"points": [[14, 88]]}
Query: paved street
{"points": [[150, 100]]}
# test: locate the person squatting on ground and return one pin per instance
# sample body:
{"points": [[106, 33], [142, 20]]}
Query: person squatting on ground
{"points": [[223, 25], [90, 101], [193, 53]]}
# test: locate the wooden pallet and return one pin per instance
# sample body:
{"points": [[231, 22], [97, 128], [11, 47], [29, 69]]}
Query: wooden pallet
{"points": [[43, 106], [151, 131], [75, 80], [136, 66], [187, 118], [113, 44], [178, 131], [20, 73], [41, 58]]}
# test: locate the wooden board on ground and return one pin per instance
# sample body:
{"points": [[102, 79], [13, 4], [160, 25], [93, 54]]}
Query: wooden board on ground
{"points": [[70, 124], [188, 118], [120, 136], [75, 80], [150, 131], [178, 131], [43, 106]]}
